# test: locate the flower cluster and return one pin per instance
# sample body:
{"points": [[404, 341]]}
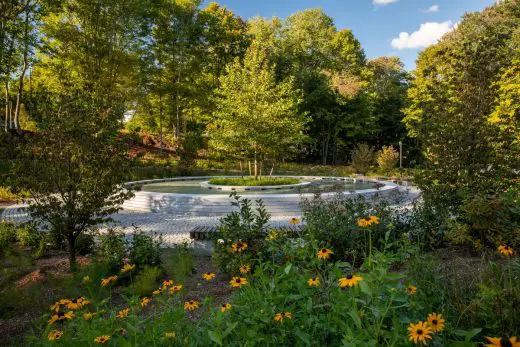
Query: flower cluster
{"points": [[505, 250], [423, 331], [368, 221], [107, 281]]}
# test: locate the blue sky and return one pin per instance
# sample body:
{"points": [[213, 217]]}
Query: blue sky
{"points": [[378, 24]]}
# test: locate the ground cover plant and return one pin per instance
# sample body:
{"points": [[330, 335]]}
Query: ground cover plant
{"points": [[251, 181]]}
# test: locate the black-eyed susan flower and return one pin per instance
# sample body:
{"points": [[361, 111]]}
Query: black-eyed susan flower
{"points": [[505, 250], [123, 313], [324, 253], [77, 303], [363, 223], [280, 316], [411, 290], [191, 305], [170, 335], [419, 332], [107, 281], [313, 282], [374, 219], [102, 339], [175, 289], [349, 281], [122, 331], [54, 335], [208, 276], [237, 282], [245, 268], [502, 342], [294, 221], [238, 247], [127, 268], [167, 283], [88, 316], [272, 235], [144, 302], [436, 322], [60, 316], [225, 307], [156, 292]]}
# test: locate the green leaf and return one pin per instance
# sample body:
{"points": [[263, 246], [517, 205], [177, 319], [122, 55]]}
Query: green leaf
{"points": [[355, 317], [365, 288], [215, 336], [288, 269], [302, 336]]}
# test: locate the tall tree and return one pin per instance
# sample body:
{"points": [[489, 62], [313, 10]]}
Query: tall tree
{"points": [[257, 117]]}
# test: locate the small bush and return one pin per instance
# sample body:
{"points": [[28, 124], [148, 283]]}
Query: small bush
{"points": [[7, 235], [179, 262], [144, 250], [85, 244], [29, 236], [362, 158], [387, 158], [113, 247], [7, 195], [146, 281]]}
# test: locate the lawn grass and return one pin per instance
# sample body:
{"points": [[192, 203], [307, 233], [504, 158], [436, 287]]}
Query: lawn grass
{"points": [[251, 181]]}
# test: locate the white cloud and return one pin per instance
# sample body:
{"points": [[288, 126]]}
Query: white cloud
{"points": [[428, 34], [383, 2], [432, 9]]}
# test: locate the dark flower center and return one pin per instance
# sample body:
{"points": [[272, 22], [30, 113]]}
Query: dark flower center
{"points": [[74, 301], [505, 342], [238, 280], [419, 332], [323, 250], [349, 277], [61, 314], [435, 322]]}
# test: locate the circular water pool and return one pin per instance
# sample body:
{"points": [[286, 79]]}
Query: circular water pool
{"points": [[321, 185]]}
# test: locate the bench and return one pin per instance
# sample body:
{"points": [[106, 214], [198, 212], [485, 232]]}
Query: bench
{"points": [[202, 233]]}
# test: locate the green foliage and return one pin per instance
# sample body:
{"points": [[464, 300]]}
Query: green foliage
{"points": [[146, 281], [247, 225], [7, 195], [363, 157], [113, 247], [387, 158], [144, 250], [29, 236], [251, 181], [257, 116], [334, 222], [85, 244], [179, 262], [190, 143], [7, 235]]}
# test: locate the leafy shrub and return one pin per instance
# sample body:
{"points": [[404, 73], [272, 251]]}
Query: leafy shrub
{"points": [[179, 262], [146, 281], [362, 158], [387, 158], [85, 244], [334, 222], [7, 195], [190, 144], [488, 220], [144, 250], [29, 236], [247, 225], [7, 235], [113, 247]]}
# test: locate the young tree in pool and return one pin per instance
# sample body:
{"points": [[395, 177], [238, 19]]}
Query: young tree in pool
{"points": [[257, 117]]}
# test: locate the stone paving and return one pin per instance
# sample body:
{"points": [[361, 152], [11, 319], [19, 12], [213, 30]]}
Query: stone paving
{"points": [[174, 228]]}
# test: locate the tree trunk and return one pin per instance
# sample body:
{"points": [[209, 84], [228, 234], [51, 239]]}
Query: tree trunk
{"points": [[249, 163], [160, 124], [6, 106], [24, 68]]}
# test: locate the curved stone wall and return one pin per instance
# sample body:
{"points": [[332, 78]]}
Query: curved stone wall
{"points": [[218, 205]]}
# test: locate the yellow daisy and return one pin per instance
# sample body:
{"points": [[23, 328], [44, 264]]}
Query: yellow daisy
{"points": [[123, 313], [280, 316], [175, 288], [238, 247], [349, 281], [505, 250], [237, 282], [502, 342], [411, 290], [245, 268], [324, 253], [59, 316], [208, 276], [436, 322], [156, 292], [225, 307], [170, 335], [314, 282], [419, 332], [102, 339], [272, 235], [107, 281], [167, 283], [127, 268], [294, 221], [88, 316], [191, 305], [144, 302], [54, 335]]}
